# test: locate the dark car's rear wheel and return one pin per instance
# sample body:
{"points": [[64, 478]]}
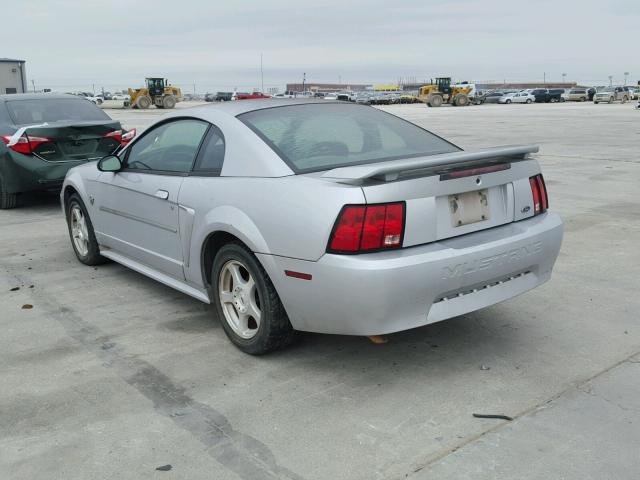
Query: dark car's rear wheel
{"points": [[83, 239], [7, 200], [247, 303]]}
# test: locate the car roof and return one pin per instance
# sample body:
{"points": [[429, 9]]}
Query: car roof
{"points": [[239, 107], [35, 96]]}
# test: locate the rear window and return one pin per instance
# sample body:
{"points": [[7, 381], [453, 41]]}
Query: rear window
{"points": [[314, 137], [29, 112]]}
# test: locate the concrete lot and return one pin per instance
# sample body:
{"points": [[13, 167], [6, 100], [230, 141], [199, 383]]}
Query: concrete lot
{"points": [[111, 375]]}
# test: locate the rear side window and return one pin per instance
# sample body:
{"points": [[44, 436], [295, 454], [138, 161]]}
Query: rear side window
{"points": [[34, 111], [211, 155], [314, 137]]}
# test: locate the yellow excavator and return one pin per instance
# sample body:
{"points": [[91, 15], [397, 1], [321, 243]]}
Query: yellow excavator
{"points": [[441, 91], [158, 92]]}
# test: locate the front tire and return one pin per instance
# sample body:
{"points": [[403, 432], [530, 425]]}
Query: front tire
{"points": [[83, 238], [528, 100], [143, 102], [247, 303]]}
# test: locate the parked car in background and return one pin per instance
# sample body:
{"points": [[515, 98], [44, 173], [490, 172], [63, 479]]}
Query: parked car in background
{"points": [[223, 96], [95, 99], [251, 96], [578, 95], [556, 95], [611, 94], [363, 98], [209, 97], [633, 92], [121, 96], [346, 96], [541, 95], [331, 96], [397, 230], [520, 97], [44, 135], [490, 97]]}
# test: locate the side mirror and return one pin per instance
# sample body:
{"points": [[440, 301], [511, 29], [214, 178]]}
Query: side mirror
{"points": [[110, 163]]}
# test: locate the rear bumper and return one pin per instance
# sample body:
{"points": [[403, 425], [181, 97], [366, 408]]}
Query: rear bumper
{"points": [[397, 290], [26, 173]]}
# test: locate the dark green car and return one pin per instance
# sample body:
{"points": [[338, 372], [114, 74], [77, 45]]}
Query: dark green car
{"points": [[44, 135]]}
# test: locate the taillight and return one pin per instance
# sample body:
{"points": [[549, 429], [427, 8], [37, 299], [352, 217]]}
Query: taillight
{"points": [[366, 228], [121, 137], [26, 144], [539, 192]]}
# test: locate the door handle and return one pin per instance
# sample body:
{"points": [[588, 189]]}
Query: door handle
{"points": [[162, 194]]}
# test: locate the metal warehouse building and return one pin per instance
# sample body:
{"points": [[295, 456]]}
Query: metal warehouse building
{"points": [[13, 77]]}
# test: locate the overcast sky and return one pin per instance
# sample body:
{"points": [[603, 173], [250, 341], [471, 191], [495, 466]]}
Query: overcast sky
{"points": [[72, 44]]}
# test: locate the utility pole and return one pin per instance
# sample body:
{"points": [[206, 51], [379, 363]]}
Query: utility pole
{"points": [[261, 75], [626, 74], [610, 80], [564, 75], [33, 82], [304, 79], [194, 88], [544, 77], [93, 86]]}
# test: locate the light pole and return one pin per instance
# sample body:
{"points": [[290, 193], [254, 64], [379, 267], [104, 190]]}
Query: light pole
{"points": [[610, 80], [261, 75], [564, 76], [626, 74], [304, 79]]}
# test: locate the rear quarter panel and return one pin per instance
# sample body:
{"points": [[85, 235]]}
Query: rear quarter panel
{"points": [[287, 216]]}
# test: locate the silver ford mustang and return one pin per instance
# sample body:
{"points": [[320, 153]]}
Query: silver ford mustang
{"points": [[318, 216]]}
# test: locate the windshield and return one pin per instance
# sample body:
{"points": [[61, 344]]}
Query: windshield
{"points": [[34, 111], [314, 137]]}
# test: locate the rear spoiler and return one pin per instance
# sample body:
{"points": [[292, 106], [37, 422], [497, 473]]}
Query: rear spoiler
{"points": [[391, 170]]}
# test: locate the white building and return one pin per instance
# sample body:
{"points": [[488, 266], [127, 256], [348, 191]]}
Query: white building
{"points": [[13, 78]]}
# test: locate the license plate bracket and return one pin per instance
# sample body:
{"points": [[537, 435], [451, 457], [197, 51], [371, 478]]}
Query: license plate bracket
{"points": [[469, 207]]}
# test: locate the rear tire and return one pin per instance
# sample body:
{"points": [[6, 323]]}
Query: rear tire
{"points": [[507, 101], [143, 102], [528, 100], [242, 297], [7, 200], [81, 234], [169, 101]]}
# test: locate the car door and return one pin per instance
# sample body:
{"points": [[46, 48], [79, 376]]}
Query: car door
{"points": [[138, 206]]}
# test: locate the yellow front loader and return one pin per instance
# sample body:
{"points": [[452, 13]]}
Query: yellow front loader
{"points": [[158, 92], [435, 94]]}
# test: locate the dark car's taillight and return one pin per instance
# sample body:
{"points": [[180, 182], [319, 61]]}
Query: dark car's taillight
{"points": [[122, 137], [26, 144], [367, 228], [539, 192]]}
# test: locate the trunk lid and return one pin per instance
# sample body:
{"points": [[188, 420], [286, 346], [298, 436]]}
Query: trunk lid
{"points": [[71, 141], [450, 194]]}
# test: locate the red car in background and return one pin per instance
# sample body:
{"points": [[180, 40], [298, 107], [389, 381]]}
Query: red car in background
{"points": [[251, 96]]}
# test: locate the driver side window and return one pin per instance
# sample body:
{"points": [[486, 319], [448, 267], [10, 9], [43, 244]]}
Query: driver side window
{"points": [[170, 147]]}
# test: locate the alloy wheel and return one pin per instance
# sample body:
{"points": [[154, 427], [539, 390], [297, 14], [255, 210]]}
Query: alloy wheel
{"points": [[79, 231], [239, 299]]}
